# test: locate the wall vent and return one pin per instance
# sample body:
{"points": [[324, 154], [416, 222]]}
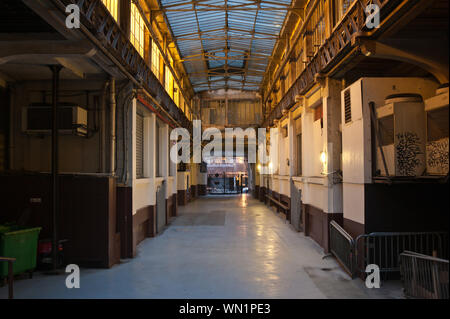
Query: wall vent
{"points": [[348, 106]]}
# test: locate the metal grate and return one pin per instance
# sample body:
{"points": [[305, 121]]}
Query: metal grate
{"points": [[384, 249], [348, 106], [342, 247], [139, 146], [424, 276]]}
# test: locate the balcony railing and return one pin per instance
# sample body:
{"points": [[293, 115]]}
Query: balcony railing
{"points": [[326, 53], [105, 29]]}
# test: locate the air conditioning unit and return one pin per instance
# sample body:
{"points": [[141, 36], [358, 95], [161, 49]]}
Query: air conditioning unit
{"points": [[360, 151], [37, 119], [437, 124], [401, 133]]}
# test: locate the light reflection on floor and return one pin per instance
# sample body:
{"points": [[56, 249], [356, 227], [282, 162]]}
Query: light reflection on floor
{"points": [[218, 247]]}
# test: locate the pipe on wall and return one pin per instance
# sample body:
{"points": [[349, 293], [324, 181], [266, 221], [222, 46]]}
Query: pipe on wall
{"points": [[126, 109], [55, 169], [112, 102], [12, 92], [102, 142]]}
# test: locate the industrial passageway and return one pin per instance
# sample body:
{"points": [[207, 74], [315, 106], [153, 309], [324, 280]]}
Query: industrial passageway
{"points": [[218, 247]]}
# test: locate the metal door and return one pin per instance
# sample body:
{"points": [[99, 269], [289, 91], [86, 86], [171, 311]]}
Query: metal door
{"points": [[296, 207], [161, 207]]}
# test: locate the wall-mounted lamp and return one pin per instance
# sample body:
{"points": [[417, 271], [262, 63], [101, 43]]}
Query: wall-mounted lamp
{"points": [[323, 157], [258, 167]]}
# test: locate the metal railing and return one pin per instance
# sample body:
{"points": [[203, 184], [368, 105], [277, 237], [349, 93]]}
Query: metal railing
{"points": [[424, 276], [105, 30], [327, 52], [384, 248], [342, 247]]}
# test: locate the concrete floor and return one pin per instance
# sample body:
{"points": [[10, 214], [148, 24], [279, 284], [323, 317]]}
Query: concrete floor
{"points": [[218, 247]]}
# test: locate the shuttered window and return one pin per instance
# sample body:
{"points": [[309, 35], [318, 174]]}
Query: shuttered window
{"points": [[348, 107], [139, 146]]}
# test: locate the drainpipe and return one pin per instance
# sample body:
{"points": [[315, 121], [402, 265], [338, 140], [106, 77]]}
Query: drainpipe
{"points": [[102, 141], [112, 101], [55, 187], [12, 94]]}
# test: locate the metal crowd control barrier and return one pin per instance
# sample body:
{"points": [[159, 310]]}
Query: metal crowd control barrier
{"points": [[424, 276], [384, 248], [342, 247]]}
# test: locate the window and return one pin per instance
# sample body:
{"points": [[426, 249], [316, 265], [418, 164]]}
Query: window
{"points": [[317, 23], [112, 6], [176, 94], [168, 79], [299, 64], [137, 29], [156, 54], [139, 146], [340, 8]]}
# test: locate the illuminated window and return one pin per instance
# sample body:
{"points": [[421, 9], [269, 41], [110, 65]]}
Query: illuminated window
{"points": [[155, 59], [168, 81], [112, 6], [176, 94], [340, 8], [137, 29]]}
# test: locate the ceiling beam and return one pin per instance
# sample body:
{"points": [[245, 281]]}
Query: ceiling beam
{"points": [[251, 42], [201, 43]]}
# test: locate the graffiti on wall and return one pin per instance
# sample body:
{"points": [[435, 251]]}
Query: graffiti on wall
{"points": [[437, 156], [407, 153]]}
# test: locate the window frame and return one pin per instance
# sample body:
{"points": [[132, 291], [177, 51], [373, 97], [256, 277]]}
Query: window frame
{"points": [[137, 23]]}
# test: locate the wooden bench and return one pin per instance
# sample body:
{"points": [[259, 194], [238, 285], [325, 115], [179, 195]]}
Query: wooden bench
{"points": [[10, 275], [279, 204]]}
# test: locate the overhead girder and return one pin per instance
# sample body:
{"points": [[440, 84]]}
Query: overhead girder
{"points": [[237, 40]]}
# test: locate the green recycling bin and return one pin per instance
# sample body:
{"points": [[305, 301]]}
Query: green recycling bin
{"points": [[20, 243]]}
